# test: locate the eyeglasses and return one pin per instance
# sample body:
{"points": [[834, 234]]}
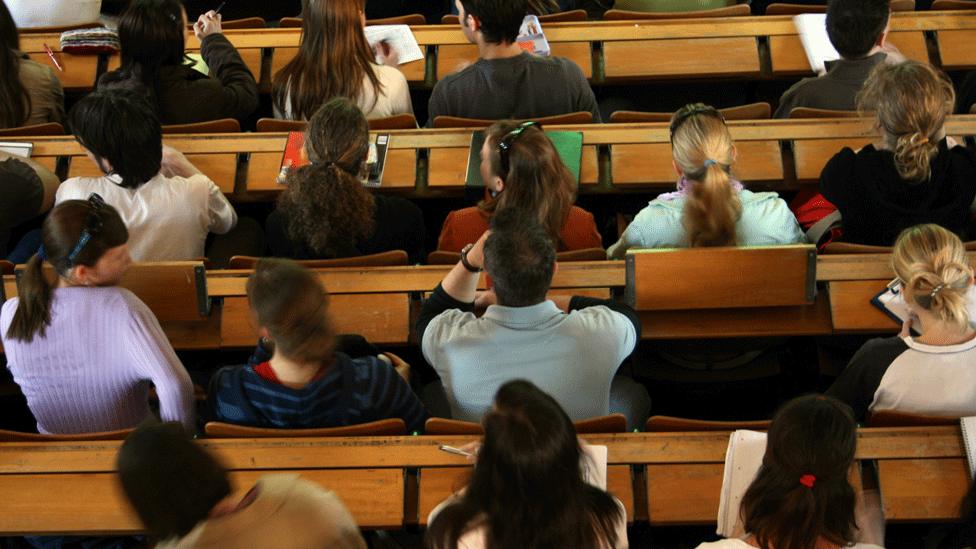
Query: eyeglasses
{"points": [[693, 110], [92, 227], [506, 142]]}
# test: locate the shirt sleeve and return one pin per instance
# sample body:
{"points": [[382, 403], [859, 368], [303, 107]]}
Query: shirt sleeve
{"points": [[399, 94], [392, 397], [835, 180], [578, 302], [433, 306], [859, 382], [585, 99], [234, 93], [437, 105], [153, 356], [56, 93], [633, 237], [221, 215]]}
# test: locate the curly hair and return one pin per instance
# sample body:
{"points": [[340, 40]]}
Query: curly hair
{"points": [[326, 206]]}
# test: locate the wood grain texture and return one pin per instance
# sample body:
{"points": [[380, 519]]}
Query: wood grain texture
{"points": [[714, 57], [788, 57], [684, 493], [650, 163], [812, 155], [80, 71], [956, 49], [928, 490], [851, 309]]}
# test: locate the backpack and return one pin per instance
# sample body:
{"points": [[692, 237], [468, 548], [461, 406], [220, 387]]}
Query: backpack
{"points": [[818, 218]]}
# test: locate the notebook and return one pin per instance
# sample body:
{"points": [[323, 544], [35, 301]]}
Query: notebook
{"points": [[295, 157], [742, 461], [23, 150], [569, 145], [812, 28], [891, 302], [397, 37], [594, 465], [531, 38], [968, 425]]}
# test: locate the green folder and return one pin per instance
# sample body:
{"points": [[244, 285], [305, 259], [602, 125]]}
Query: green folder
{"points": [[569, 145]]}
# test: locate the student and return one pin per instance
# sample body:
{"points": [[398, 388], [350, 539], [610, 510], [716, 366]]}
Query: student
{"points": [[857, 29], [571, 347], [82, 349], [507, 81], [527, 488], [521, 167], [710, 208], [334, 60], [325, 212], [801, 497], [306, 383], [930, 374], [914, 176], [184, 498], [166, 203], [30, 93], [152, 34], [26, 190]]}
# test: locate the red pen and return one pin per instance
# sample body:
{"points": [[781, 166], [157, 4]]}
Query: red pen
{"points": [[54, 59]]}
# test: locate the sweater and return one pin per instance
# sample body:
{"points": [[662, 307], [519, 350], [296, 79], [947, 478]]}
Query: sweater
{"points": [[393, 99], [352, 391], [739, 544], [524, 86], [835, 90], [45, 91], [462, 227], [91, 369], [876, 204]]}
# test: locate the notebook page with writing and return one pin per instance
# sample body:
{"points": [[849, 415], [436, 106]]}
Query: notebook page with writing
{"points": [[968, 425], [399, 38], [742, 461]]}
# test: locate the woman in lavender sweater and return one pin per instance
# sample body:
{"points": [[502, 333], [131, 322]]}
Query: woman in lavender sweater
{"points": [[82, 349]]}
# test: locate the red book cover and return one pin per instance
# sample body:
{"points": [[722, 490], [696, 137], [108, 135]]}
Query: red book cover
{"points": [[294, 156]]}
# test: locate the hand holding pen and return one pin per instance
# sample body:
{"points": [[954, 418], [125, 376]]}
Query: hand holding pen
{"points": [[208, 23]]}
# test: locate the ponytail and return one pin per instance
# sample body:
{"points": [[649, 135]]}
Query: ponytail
{"points": [[712, 209], [913, 156], [932, 263], [33, 313]]}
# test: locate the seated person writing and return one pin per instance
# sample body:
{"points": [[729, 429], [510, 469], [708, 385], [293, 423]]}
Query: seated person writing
{"points": [[305, 383], [570, 347], [507, 81], [521, 168]]}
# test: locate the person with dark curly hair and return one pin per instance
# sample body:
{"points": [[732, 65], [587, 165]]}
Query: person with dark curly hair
{"points": [[325, 212]]}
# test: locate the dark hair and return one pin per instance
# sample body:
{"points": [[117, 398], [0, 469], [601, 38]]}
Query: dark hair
{"points": [[172, 483], [325, 204], [15, 102], [854, 26], [537, 181], [500, 19], [151, 36], [333, 59], [61, 234], [527, 487], [520, 257], [121, 127], [292, 304], [810, 435]]}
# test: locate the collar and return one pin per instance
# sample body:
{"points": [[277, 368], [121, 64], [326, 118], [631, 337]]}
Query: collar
{"points": [[854, 69], [684, 185], [519, 317], [940, 349]]}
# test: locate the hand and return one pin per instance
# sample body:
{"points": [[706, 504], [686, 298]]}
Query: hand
{"points": [[472, 448], [476, 255], [174, 164], [386, 54], [870, 517], [207, 24], [894, 56]]}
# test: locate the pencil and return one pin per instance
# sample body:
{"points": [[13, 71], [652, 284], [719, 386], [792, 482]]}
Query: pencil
{"points": [[54, 59]]}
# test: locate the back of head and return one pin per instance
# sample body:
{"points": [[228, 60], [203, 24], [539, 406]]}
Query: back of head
{"points": [[151, 35], [527, 484], [801, 492], [932, 264], [702, 149], [76, 232], [15, 103], [911, 101], [290, 302], [854, 26], [536, 180], [171, 482], [122, 128], [333, 59], [325, 203], [520, 257], [500, 19]]}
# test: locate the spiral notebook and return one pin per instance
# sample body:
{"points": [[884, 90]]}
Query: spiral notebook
{"points": [[968, 426], [742, 461]]}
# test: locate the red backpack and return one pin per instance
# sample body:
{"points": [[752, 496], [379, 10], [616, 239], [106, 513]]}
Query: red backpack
{"points": [[817, 217]]}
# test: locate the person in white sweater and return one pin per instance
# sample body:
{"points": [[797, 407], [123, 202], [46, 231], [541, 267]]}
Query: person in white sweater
{"points": [[54, 13], [710, 208], [167, 204], [335, 60]]}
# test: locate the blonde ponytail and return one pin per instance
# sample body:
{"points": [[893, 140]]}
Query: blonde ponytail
{"points": [[712, 209], [932, 263], [913, 156]]}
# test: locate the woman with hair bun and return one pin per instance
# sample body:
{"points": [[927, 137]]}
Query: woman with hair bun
{"points": [[801, 497], [931, 374], [710, 207], [915, 175]]}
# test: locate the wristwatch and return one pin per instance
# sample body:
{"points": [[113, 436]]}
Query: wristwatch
{"points": [[464, 260]]}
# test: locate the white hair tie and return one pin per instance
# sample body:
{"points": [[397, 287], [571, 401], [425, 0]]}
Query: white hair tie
{"points": [[936, 290]]}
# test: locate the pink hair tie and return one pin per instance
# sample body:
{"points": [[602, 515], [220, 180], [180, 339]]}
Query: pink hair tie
{"points": [[808, 480]]}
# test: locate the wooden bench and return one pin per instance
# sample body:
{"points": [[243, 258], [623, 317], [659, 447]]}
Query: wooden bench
{"points": [[392, 482]]}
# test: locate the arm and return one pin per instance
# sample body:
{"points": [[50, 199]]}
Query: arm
{"points": [[859, 382], [586, 100], [437, 105], [632, 238], [237, 93], [49, 181], [392, 397], [578, 302], [221, 214]]}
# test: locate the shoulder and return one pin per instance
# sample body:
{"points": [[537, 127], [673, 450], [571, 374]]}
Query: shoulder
{"points": [[843, 163], [395, 204], [578, 215], [389, 75], [459, 78], [964, 156], [769, 203], [724, 544], [878, 353], [7, 314], [33, 73]]}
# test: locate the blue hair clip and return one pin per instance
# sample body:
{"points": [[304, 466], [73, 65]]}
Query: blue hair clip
{"points": [[710, 162], [42, 253]]}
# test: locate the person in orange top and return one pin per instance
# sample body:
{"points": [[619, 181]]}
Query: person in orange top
{"points": [[520, 167]]}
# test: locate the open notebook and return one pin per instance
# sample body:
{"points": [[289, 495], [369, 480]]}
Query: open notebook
{"points": [[812, 28], [742, 461], [968, 425]]}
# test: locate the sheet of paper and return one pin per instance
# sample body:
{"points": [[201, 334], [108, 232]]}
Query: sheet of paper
{"points": [[23, 150], [398, 37], [531, 38], [812, 28], [742, 461], [595, 465], [969, 441]]}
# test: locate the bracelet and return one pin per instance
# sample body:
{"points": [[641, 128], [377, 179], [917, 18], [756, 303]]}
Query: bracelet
{"points": [[464, 260]]}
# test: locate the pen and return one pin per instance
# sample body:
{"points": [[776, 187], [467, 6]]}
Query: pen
{"points": [[220, 7], [54, 59], [453, 450]]}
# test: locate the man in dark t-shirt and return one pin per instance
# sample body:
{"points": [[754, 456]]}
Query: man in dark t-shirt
{"points": [[507, 82]]}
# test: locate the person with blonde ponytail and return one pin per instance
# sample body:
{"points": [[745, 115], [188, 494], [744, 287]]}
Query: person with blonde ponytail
{"points": [[931, 374], [801, 497], [914, 175], [82, 349], [325, 212], [710, 208]]}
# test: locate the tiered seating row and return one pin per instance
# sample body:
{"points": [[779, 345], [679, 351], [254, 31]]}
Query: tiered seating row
{"points": [[773, 154], [607, 51], [391, 482]]}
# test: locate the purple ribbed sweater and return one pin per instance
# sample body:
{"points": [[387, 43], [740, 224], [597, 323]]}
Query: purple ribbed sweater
{"points": [[91, 370]]}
